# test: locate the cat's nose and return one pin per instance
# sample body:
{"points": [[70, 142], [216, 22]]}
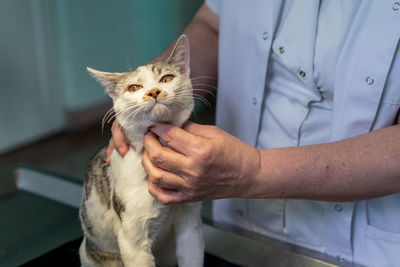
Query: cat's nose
{"points": [[154, 93]]}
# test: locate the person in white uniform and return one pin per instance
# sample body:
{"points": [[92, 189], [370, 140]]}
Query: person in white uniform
{"points": [[307, 148]]}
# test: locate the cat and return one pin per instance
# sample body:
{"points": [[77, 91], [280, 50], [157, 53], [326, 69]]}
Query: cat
{"points": [[123, 224]]}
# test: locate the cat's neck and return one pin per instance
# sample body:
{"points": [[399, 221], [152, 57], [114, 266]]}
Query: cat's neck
{"points": [[136, 130], [135, 135]]}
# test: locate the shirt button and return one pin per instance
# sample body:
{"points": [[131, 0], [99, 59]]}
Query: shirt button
{"points": [[338, 208], [339, 259], [240, 212], [254, 101], [302, 74], [396, 6], [281, 50], [265, 35], [369, 80]]}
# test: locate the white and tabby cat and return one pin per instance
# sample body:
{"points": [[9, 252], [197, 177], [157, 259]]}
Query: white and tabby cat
{"points": [[123, 224]]}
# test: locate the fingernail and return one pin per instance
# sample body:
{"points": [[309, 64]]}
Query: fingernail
{"points": [[123, 150]]}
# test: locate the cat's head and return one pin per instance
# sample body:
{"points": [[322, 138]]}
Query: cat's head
{"points": [[157, 92]]}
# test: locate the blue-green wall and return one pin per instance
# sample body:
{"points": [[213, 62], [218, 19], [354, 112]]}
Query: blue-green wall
{"points": [[45, 46], [110, 35]]}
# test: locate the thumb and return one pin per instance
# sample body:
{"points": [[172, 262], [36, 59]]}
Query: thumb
{"points": [[206, 131]]}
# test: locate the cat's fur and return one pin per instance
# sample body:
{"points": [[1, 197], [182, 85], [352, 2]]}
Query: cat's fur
{"points": [[123, 224]]}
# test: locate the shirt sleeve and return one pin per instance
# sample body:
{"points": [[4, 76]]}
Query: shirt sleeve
{"points": [[214, 5]]}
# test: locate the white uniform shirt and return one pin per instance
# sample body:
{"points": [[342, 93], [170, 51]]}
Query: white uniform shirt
{"points": [[305, 72]]}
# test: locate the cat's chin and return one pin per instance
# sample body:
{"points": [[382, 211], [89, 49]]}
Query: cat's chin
{"points": [[160, 112]]}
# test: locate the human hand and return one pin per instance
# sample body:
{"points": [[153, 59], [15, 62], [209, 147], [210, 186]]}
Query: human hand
{"points": [[118, 141], [208, 164]]}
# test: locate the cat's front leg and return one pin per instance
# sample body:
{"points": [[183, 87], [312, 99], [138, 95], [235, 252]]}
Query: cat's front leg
{"points": [[134, 255], [189, 236]]}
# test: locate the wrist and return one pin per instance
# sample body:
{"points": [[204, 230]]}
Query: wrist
{"points": [[265, 181], [250, 173]]}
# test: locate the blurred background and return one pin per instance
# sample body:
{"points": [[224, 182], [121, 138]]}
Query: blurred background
{"points": [[50, 122], [49, 105], [51, 110]]}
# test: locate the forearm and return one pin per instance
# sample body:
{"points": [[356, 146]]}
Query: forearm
{"points": [[203, 36], [362, 167]]}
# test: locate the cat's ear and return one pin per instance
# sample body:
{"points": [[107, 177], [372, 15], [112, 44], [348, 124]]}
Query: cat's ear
{"points": [[108, 79], [180, 55]]}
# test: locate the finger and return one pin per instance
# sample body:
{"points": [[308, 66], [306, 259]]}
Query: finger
{"points": [[165, 196], [119, 139], [160, 177], [110, 149], [175, 137], [199, 130], [164, 157]]}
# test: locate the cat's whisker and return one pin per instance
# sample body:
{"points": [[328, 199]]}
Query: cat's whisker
{"points": [[205, 85], [134, 111], [128, 112], [194, 114], [129, 107], [181, 103], [205, 102], [105, 117], [112, 117], [132, 116], [204, 90], [110, 111], [181, 98], [203, 77], [197, 96], [183, 93]]}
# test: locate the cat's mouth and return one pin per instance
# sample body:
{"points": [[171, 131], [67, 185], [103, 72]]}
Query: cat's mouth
{"points": [[159, 110], [157, 103]]}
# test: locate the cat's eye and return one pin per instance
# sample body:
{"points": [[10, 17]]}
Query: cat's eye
{"points": [[134, 87], [167, 78]]}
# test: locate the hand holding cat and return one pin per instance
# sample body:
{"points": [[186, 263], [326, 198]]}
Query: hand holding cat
{"points": [[119, 141], [207, 163]]}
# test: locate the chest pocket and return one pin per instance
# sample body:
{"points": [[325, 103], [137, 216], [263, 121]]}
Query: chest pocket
{"points": [[382, 230]]}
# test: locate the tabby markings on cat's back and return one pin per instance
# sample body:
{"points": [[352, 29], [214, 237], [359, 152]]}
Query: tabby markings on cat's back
{"points": [[118, 206], [85, 219], [96, 177], [98, 255]]}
